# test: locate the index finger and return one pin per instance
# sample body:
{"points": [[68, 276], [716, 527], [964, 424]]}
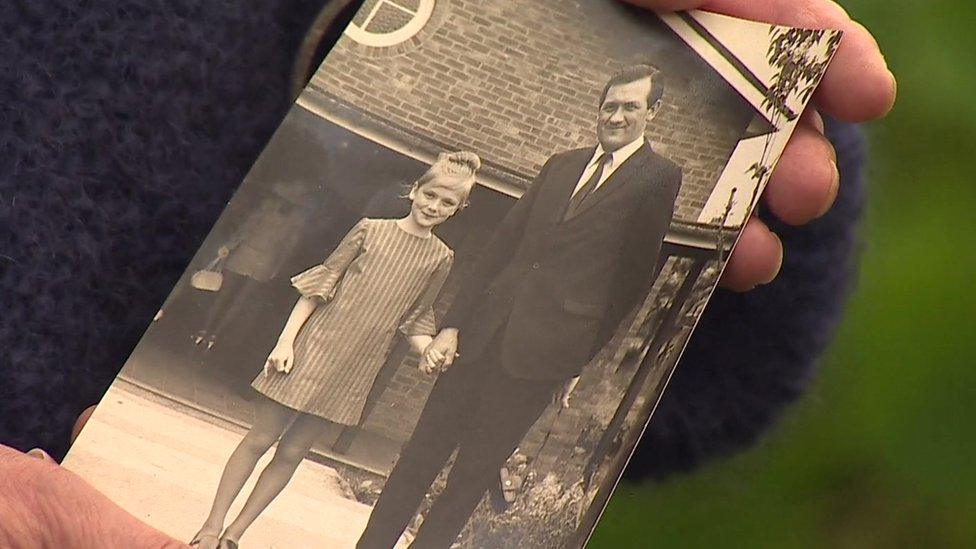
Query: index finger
{"points": [[857, 85]]}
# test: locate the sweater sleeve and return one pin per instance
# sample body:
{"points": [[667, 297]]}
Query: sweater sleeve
{"points": [[750, 357]]}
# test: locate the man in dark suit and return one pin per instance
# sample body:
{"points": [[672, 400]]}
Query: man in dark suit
{"points": [[570, 260]]}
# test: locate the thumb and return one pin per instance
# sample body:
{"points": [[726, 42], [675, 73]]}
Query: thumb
{"points": [[56, 508]]}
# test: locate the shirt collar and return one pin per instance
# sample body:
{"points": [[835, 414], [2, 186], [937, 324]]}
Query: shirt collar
{"points": [[620, 155]]}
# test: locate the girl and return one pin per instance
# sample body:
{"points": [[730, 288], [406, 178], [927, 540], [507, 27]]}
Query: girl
{"points": [[384, 275]]}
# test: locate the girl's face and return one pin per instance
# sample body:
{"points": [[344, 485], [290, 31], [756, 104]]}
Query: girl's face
{"points": [[433, 204]]}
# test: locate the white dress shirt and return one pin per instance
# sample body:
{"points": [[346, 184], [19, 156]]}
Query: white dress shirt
{"points": [[617, 158]]}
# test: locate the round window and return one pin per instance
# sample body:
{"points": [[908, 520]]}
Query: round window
{"points": [[383, 23]]}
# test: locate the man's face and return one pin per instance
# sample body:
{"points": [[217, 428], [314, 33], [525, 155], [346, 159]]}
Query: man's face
{"points": [[624, 114]]}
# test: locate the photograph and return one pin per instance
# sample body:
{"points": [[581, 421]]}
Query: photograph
{"points": [[442, 306]]}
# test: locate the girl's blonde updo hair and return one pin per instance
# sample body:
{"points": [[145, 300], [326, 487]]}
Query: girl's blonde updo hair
{"points": [[454, 170]]}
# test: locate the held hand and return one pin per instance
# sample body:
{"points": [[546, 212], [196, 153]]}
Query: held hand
{"points": [[426, 366], [443, 350], [434, 358], [857, 87], [419, 343], [281, 359], [43, 505]]}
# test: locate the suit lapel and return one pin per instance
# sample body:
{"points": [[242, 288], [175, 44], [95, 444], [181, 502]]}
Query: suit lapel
{"points": [[567, 178], [633, 169]]}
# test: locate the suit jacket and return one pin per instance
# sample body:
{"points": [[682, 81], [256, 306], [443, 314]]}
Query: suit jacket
{"points": [[558, 289]]}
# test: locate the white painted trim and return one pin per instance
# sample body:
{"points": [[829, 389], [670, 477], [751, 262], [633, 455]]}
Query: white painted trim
{"points": [[408, 31], [402, 146]]}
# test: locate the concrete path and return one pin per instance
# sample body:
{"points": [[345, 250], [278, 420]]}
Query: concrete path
{"points": [[162, 464]]}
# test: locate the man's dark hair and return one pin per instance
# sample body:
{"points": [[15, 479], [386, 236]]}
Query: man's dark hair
{"points": [[633, 74]]}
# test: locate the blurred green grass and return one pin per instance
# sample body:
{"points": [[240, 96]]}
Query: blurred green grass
{"points": [[880, 452]]}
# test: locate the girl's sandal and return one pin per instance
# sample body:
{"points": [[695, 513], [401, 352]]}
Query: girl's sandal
{"points": [[227, 544]]}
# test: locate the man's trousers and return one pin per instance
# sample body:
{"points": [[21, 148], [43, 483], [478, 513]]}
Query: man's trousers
{"points": [[478, 408]]}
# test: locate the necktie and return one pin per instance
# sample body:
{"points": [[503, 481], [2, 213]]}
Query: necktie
{"points": [[587, 189]]}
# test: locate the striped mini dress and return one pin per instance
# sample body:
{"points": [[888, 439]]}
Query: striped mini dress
{"points": [[380, 279]]}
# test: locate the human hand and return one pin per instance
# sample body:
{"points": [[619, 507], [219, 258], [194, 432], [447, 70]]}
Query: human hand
{"points": [[562, 397], [281, 359], [419, 344], [45, 506], [426, 366], [443, 350], [856, 87]]}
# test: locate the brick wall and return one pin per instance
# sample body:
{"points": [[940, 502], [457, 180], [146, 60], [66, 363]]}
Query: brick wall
{"points": [[491, 77], [516, 81]]}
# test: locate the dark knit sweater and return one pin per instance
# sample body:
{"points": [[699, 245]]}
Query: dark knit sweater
{"points": [[125, 125]]}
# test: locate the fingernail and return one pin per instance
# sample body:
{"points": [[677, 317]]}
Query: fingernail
{"points": [[834, 189], [894, 86], [831, 150], [818, 121], [40, 454], [779, 264]]}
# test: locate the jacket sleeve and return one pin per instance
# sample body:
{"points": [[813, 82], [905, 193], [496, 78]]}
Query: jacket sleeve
{"points": [[641, 254], [321, 281], [496, 254], [420, 319]]}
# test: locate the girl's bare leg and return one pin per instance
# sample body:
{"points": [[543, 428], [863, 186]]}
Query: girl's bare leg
{"points": [[271, 420], [292, 449]]}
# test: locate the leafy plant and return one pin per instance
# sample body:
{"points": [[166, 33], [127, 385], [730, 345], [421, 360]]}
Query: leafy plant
{"points": [[800, 64]]}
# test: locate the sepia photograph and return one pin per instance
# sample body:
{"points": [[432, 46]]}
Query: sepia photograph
{"points": [[443, 304]]}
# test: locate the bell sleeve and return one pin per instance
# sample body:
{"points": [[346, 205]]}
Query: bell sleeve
{"points": [[321, 281], [420, 320]]}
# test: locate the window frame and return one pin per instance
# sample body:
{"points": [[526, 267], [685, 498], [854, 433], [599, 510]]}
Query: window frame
{"points": [[385, 40]]}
